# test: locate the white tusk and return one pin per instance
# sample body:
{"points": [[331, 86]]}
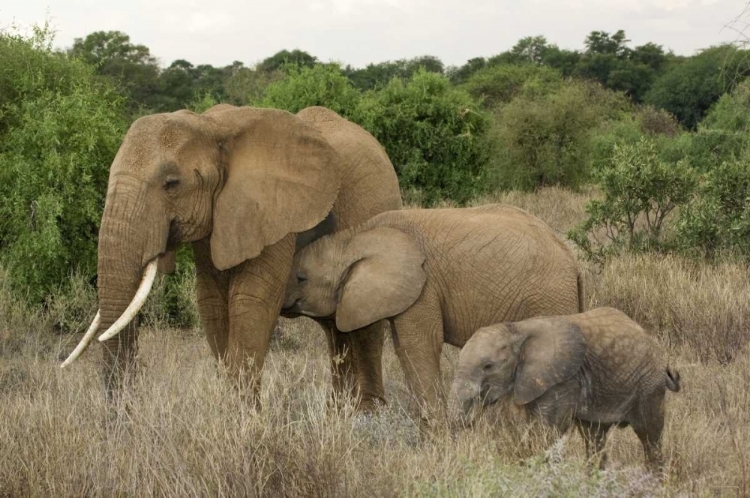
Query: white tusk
{"points": [[87, 337], [135, 305]]}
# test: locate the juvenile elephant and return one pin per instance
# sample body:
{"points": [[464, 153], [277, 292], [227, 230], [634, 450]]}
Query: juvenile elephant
{"points": [[595, 369], [437, 275], [247, 187]]}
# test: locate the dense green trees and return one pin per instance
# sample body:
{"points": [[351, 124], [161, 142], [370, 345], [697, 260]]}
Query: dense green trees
{"points": [[322, 84], [638, 121], [378, 75], [130, 66], [61, 129], [690, 88], [545, 138], [434, 134]]}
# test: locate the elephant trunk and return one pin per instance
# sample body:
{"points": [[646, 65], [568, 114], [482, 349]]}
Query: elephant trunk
{"points": [[462, 402], [128, 243]]}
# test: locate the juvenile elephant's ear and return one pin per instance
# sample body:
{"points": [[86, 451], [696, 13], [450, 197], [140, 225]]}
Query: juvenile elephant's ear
{"points": [[384, 278], [281, 177], [552, 353]]}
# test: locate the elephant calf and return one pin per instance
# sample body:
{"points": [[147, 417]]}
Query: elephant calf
{"points": [[437, 275], [595, 369]]}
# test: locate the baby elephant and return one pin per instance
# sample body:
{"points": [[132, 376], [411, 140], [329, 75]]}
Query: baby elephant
{"points": [[596, 369]]}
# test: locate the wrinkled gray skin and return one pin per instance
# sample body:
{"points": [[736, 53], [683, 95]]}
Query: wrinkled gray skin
{"points": [[595, 370], [437, 275], [240, 184]]}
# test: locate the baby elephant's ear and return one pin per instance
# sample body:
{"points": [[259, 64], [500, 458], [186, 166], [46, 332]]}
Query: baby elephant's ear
{"points": [[552, 353], [385, 277]]}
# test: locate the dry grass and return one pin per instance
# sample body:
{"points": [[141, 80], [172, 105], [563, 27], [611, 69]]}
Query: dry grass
{"points": [[185, 432]]}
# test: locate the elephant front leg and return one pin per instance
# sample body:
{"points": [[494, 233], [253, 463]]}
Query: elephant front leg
{"points": [[212, 288], [594, 435], [356, 364], [256, 292], [418, 340]]}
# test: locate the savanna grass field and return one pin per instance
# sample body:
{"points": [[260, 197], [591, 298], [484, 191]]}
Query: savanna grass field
{"points": [[182, 430], [636, 155]]}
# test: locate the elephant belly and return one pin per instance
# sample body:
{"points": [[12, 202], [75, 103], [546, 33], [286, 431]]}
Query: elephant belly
{"points": [[601, 403]]}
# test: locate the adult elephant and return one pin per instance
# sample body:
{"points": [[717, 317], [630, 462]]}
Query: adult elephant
{"points": [[247, 187]]}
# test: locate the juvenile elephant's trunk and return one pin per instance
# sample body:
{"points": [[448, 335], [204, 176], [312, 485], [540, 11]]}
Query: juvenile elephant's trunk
{"points": [[463, 401]]}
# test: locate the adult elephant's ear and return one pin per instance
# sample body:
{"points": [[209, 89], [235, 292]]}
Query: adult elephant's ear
{"points": [[281, 176], [552, 352], [383, 277]]}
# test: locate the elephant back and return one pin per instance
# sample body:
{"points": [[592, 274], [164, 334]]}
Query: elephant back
{"points": [[490, 264], [369, 185]]}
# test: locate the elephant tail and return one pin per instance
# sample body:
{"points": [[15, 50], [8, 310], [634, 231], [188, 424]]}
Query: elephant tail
{"points": [[673, 380], [581, 296]]}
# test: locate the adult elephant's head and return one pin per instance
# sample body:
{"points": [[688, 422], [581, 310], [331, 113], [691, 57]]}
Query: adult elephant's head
{"points": [[244, 177]]}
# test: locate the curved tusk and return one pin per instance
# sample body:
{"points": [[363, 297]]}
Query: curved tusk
{"points": [[87, 337], [149, 274]]}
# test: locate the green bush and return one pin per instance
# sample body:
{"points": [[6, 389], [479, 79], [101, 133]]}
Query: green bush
{"points": [[732, 112], [718, 221], [626, 131], [321, 84], [62, 130], [706, 148], [547, 139], [500, 84], [434, 134], [640, 191]]}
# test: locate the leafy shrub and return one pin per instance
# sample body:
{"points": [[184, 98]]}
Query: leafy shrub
{"points": [[718, 220], [62, 130], [322, 84], [499, 84], [434, 135], [657, 121], [640, 191], [604, 140], [732, 111], [547, 140], [706, 148]]}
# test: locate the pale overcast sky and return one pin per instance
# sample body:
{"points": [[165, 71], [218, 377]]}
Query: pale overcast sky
{"points": [[362, 31]]}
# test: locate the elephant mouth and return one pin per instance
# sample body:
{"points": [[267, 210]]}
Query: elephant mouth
{"points": [[489, 396], [295, 311], [174, 237]]}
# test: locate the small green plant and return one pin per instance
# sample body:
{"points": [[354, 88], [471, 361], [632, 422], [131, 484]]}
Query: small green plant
{"points": [[640, 192]]}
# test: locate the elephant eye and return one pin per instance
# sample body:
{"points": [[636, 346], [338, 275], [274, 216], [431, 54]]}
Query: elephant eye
{"points": [[171, 183], [487, 366], [301, 278]]}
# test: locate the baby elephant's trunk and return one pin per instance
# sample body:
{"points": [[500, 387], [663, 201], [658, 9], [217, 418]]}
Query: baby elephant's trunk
{"points": [[673, 380]]}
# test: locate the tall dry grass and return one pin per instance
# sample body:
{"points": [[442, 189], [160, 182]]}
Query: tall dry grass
{"points": [[183, 431]]}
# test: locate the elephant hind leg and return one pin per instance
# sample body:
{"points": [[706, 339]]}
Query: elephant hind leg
{"points": [[648, 426]]}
